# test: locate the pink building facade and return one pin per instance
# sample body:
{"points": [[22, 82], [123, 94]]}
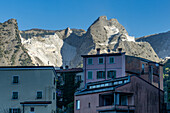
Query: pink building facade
{"points": [[113, 86], [103, 66]]}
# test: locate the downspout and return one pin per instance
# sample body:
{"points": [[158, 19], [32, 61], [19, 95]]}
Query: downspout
{"points": [[23, 108], [105, 67], [159, 90], [85, 72]]}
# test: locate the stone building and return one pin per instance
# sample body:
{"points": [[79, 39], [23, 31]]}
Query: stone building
{"points": [[27, 89]]}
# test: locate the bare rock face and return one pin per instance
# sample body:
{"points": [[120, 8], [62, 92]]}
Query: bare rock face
{"points": [[111, 35], [65, 47], [12, 52], [160, 43]]}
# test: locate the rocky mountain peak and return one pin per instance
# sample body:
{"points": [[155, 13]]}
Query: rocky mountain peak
{"points": [[68, 31], [65, 47], [12, 52], [105, 32], [11, 21]]}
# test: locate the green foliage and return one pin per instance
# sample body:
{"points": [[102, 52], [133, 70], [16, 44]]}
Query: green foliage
{"points": [[168, 90], [166, 71], [70, 108], [67, 90]]}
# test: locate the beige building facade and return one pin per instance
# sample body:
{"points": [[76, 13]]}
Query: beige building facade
{"points": [[28, 89]]}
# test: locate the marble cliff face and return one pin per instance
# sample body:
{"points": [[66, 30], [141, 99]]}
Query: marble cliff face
{"points": [[65, 47]]}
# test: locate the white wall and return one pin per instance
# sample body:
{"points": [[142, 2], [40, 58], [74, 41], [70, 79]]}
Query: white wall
{"points": [[30, 81]]}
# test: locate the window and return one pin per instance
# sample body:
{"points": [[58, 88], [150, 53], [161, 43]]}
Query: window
{"points": [[90, 74], [111, 74], [78, 78], [89, 105], [77, 104], [32, 109], [100, 60], [15, 95], [111, 60], [15, 79], [90, 61], [123, 100], [16, 110], [54, 80], [54, 96], [39, 95], [100, 74], [143, 68]]}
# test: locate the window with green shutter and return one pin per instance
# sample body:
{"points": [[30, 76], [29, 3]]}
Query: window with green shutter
{"points": [[111, 60], [15, 110], [101, 60], [90, 61], [15, 95], [90, 74], [39, 95], [111, 74], [15, 79], [100, 74]]}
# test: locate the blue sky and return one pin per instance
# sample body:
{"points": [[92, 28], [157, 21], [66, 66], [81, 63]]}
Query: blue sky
{"points": [[139, 17]]}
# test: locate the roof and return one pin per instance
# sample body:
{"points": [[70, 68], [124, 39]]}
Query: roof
{"points": [[111, 88], [102, 89], [69, 70], [145, 60], [25, 67], [36, 102], [106, 54]]}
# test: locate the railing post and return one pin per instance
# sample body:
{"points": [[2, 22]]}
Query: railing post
{"points": [[115, 99]]}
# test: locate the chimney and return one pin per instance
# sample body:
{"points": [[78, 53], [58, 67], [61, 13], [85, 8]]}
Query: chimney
{"points": [[61, 67], [120, 50], [108, 50], [66, 67], [98, 51]]}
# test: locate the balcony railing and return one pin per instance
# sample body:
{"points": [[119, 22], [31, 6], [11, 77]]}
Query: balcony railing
{"points": [[115, 107]]}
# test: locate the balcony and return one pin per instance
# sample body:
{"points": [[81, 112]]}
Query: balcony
{"points": [[116, 108], [117, 101], [156, 71]]}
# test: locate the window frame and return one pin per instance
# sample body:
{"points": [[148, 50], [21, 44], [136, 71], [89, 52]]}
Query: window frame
{"points": [[91, 75], [78, 78], [114, 71], [91, 61], [54, 81], [32, 109], [77, 104], [123, 100], [143, 68], [15, 97], [15, 81], [11, 110], [110, 60], [99, 60], [54, 96], [41, 95], [103, 76]]}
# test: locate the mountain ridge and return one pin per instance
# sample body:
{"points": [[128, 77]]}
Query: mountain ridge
{"points": [[65, 47]]}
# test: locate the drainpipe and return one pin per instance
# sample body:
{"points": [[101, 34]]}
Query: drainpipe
{"points": [[105, 68], [159, 90], [128, 109], [85, 72], [23, 108]]}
